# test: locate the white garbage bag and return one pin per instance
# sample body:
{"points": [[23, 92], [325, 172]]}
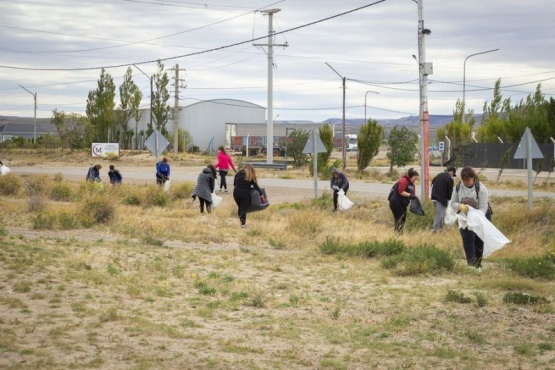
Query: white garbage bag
{"points": [[216, 200], [4, 170], [477, 222], [167, 185], [450, 215], [342, 201]]}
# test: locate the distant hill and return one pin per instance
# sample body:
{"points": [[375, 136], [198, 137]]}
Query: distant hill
{"points": [[410, 121]]}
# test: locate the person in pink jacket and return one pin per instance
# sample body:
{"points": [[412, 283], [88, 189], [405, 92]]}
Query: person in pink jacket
{"points": [[224, 162]]}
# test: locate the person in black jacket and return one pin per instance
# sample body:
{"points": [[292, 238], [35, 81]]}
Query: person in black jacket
{"points": [[442, 189], [243, 181], [338, 182], [205, 187], [115, 176]]}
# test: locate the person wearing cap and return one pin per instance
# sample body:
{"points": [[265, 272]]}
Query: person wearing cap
{"points": [[442, 189]]}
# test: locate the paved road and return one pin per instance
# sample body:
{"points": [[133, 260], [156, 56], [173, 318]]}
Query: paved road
{"points": [[141, 175]]}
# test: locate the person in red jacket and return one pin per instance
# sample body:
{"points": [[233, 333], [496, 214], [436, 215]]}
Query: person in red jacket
{"points": [[400, 198], [224, 162]]}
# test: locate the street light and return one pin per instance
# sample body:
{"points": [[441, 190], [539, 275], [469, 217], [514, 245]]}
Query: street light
{"points": [[365, 95], [344, 156], [464, 80], [151, 102], [35, 119]]}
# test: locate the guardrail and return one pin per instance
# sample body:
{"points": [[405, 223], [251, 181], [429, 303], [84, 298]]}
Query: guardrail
{"points": [[274, 166]]}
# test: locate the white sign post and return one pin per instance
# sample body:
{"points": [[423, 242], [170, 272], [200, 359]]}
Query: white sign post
{"points": [[315, 145]]}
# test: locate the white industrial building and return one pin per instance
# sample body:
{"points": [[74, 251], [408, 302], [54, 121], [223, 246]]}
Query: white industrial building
{"points": [[207, 121]]}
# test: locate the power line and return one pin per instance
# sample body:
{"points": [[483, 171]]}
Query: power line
{"points": [[198, 52]]}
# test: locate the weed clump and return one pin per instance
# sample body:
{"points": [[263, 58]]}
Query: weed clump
{"points": [[420, 260], [61, 191], [98, 208], [10, 184], [457, 297], [534, 268], [373, 249], [524, 298]]}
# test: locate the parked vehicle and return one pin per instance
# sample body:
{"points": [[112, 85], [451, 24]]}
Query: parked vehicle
{"points": [[258, 145]]}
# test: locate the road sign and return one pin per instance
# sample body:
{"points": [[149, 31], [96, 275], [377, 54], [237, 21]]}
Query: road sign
{"points": [[523, 150], [153, 146], [441, 146]]}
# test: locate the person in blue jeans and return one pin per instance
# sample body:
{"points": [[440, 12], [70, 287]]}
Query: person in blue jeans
{"points": [[162, 171]]}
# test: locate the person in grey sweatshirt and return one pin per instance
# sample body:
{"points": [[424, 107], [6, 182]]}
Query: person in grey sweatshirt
{"points": [[338, 182]]}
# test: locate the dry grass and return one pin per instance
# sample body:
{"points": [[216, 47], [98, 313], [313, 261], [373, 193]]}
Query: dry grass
{"points": [[160, 286]]}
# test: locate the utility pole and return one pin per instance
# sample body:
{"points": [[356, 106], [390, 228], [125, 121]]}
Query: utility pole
{"points": [[343, 146], [424, 70], [35, 116], [176, 113], [270, 110]]}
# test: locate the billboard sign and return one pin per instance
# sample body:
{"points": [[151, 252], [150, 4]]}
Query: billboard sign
{"points": [[104, 149]]}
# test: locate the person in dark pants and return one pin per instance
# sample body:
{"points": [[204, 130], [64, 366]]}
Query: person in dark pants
{"points": [[400, 199], [442, 189], [338, 182], [205, 187], [243, 181], [224, 163], [162, 171], [467, 195], [115, 176]]}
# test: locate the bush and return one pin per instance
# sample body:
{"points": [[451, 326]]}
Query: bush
{"points": [[457, 297], [420, 260], [98, 208], [534, 268], [37, 185], [154, 195], [182, 190], [60, 220], [46, 221], [10, 184], [61, 191], [36, 203]]}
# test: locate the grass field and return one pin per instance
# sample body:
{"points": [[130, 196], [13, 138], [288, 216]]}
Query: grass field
{"points": [[134, 278]]}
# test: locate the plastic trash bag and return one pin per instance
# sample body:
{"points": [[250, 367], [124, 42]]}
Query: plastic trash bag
{"points": [[450, 215], [167, 185], [216, 200], [416, 207], [342, 201], [256, 201], [4, 170], [477, 222]]}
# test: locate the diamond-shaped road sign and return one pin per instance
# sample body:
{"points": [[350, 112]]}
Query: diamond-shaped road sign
{"points": [[150, 143]]}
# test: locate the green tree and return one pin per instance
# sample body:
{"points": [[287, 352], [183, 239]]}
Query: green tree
{"points": [[402, 147], [296, 144], [130, 100], [73, 129], [160, 106], [326, 135], [369, 138], [100, 108]]}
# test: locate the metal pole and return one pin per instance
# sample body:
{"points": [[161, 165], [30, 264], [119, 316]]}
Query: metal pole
{"points": [[421, 61], [315, 163], [365, 95], [176, 113], [344, 157], [35, 115], [464, 81]]}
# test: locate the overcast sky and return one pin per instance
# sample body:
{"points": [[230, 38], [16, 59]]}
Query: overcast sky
{"points": [[57, 47]]}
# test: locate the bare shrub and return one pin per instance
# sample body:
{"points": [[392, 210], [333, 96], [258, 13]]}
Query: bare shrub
{"points": [[36, 203]]}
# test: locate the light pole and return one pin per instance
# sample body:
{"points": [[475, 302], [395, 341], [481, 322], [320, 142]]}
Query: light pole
{"points": [[35, 117], [344, 156], [365, 95], [464, 80], [151, 102]]}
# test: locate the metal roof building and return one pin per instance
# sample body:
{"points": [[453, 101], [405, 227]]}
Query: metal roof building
{"points": [[24, 127]]}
